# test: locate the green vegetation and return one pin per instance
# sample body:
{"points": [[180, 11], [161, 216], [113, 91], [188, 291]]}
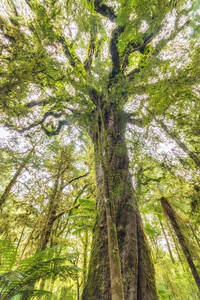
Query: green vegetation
{"points": [[99, 192]]}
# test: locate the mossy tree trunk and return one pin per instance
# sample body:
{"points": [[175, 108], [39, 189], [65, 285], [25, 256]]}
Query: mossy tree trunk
{"points": [[116, 204], [170, 213], [85, 256]]}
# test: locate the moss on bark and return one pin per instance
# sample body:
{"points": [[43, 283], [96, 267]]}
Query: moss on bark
{"points": [[136, 266]]}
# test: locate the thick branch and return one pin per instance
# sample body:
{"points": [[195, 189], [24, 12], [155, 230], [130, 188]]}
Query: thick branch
{"points": [[114, 51], [91, 50], [132, 47], [104, 10], [61, 123]]}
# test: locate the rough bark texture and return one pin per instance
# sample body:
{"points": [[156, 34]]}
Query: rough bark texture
{"points": [[173, 219], [137, 269], [85, 257], [114, 256]]}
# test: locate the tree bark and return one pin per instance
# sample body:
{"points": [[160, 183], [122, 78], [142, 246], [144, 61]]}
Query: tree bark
{"points": [[114, 183], [173, 219], [85, 256]]}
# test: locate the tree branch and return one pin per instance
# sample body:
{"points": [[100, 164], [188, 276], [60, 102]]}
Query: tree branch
{"points": [[69, 55], [104, 10], [40, 122], [91, 50], [61, 124], [66, 211], [131, 120], [76, 178], [114, 52], [132, 47]]}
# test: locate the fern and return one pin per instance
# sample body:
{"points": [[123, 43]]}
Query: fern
{"points": [[44, 264], [7, 255]]}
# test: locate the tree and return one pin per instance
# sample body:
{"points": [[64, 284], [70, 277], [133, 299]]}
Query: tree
{"points": [[86, 60], [33, 219], [14, 178], [173, 219], [157, 182]]}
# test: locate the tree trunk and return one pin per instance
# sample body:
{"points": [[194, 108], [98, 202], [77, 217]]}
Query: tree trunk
{"points": [[167, 241], [14, 179], [173, 219], [176, 245], [50, 218], [194, 235], [114, 188], [85, 256]]}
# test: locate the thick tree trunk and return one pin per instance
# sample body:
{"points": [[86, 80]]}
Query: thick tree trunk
{"points": [[173, 219], [114, 187]]}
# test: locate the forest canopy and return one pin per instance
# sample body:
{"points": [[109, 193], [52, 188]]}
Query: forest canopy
{"points": [[99, 149]]}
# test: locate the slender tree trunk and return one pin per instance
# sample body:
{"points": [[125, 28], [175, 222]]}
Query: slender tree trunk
{"points": [[85, 257], [114, 187], [52, 211], [195, 236], [166, 238], [20, 239], [173, 219], [28, 240], [77, 289], [12, 182]]}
